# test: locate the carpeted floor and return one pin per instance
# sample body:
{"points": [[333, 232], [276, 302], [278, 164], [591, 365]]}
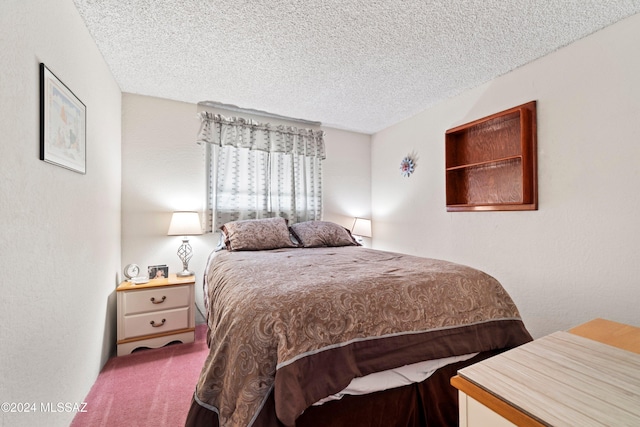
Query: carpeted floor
{"points": [[150, 387]]}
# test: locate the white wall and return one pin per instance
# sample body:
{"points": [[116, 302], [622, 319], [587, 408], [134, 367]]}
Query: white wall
{"points": [[347, 177], [163, 170], [575, 258], [60, 234]]}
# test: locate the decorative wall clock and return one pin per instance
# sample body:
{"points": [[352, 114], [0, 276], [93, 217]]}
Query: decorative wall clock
{"points": [[407, 165]]}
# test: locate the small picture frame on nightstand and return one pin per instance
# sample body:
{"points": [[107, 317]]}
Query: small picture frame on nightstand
{"points": [[158, 271]]}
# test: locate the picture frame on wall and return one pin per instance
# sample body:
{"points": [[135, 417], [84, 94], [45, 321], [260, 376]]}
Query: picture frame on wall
{"points": [[63, 124]]}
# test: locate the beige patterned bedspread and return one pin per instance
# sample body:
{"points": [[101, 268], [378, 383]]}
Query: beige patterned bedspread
{"points": [[302, 323]]}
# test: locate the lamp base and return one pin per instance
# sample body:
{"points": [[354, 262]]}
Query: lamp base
{"points": [[185, 273]]}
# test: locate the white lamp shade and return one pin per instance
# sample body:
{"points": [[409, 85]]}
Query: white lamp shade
{"points": [[185, 224], [361, 227]]}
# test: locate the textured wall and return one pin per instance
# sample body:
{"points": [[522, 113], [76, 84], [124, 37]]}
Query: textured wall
{"points": [[163, 170], [60, 233], [575, 258]]}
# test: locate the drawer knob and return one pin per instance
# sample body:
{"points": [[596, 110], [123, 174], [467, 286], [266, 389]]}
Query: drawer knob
{"points": [[153, 323], [153, 300]]}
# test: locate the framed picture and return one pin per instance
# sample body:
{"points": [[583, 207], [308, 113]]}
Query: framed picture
{"points": [[63, 122], [158, 271]]}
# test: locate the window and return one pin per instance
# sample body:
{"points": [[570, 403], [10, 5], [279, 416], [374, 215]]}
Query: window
{"points": [[259, 171]]}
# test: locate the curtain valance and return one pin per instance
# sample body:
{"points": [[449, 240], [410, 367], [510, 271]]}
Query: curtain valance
{"points": [[245, 133]]}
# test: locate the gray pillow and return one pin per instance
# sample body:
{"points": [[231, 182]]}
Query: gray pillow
{"points": [[257, 234], [313, 234]]}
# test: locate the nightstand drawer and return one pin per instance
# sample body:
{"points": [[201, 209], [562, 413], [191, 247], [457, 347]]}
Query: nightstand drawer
{"points": [[155, 299], [163, 321]]}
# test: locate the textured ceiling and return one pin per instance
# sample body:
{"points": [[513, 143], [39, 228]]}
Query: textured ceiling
{"points": [[360, 65]]}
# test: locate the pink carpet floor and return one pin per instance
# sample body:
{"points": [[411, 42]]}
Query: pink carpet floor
{"points": [[150, 387]]}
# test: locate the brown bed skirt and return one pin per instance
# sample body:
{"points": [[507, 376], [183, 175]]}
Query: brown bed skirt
{"points": [[433, 402]]}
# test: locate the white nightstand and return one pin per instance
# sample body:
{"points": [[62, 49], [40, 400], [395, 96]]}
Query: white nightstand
{"points": [[156, 313]]}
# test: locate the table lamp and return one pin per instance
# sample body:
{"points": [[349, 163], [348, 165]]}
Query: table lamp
{"points": [[185, 224], [361, 227]]}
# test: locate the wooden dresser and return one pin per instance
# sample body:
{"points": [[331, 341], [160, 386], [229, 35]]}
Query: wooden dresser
{"points": [[588, 376]]}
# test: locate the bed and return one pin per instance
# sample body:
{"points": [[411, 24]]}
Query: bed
{"points": [[297, 315]]}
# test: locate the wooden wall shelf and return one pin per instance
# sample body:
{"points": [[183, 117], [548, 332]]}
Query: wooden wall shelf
{"points": [[491, 162]]}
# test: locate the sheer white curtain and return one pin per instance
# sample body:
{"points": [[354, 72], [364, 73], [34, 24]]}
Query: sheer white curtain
{"points": [[261, 171]]}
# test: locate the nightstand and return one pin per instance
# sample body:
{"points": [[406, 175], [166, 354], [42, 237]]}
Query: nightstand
{"points": [[156, 313]]}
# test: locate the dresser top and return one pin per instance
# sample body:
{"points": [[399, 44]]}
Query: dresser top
{"points": [[172, 280], [564, 379]]}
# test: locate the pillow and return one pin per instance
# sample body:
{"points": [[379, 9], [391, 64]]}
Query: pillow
{"points": [[313, 234], [257, 234]]}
